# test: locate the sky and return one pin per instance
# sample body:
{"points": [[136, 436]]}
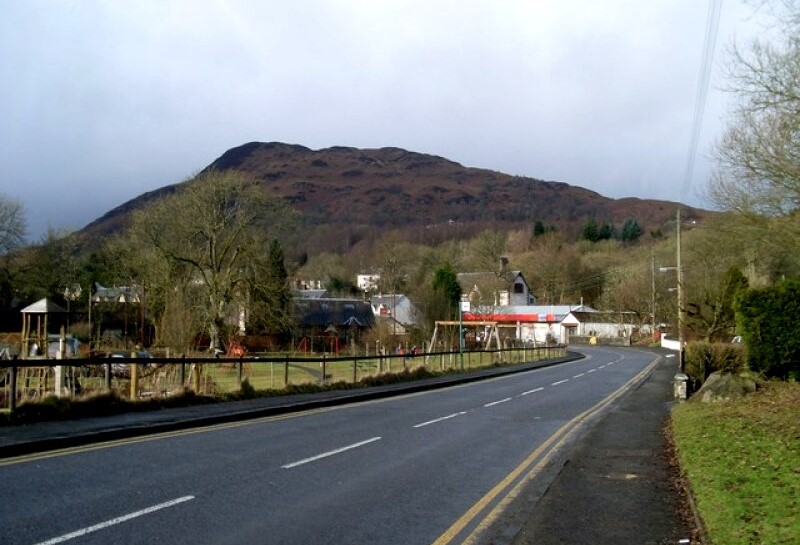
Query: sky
{"points": [[101, 101]]}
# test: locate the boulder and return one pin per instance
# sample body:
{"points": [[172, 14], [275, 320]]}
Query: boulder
{"points": [[720, 387]]}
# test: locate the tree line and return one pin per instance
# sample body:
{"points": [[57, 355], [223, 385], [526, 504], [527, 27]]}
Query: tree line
{"points": [[221, 239]]}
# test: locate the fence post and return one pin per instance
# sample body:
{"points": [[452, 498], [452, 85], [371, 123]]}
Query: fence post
{"points": [[355, 369], [183, 372], [324, 369], [107, 367], [134, 381], [241, 370], [12, 401], [286, 372], [196, 378]]}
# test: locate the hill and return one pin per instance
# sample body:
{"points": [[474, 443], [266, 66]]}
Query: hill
{"points": [[347, 194]]}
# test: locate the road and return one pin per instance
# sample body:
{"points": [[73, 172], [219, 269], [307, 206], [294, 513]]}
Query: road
{"points": [[433, 467]]}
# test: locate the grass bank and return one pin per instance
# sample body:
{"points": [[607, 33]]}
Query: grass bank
{"points": [[742, 461]]}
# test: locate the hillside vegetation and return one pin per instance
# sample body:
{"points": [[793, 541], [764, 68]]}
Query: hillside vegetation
{"points": [[346, 196]]}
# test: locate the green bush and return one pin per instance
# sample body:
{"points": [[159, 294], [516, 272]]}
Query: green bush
{"points": [[704, 358], [55, 408], [767, 319], [403, 376]]}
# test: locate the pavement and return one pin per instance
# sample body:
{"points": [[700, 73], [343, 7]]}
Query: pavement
{"points": [[614, 484]]}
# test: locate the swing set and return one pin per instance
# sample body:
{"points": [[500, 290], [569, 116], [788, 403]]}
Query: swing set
{"points": [[490, 327]]}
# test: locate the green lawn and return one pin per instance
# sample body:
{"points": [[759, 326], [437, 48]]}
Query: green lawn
{"points": [[742, 459]]}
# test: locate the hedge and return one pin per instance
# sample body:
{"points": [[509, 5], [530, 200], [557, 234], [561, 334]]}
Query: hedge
{"points": [[769, 323]]}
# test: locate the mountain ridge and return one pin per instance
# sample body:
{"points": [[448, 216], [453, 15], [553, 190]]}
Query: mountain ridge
{"points": [[346, 193]]}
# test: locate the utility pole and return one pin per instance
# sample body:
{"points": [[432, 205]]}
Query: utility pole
{"points": [[681, 354], [652, 292]]}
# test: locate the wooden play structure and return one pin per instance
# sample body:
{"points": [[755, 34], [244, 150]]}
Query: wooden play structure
{"points": [[330, 343], [492, 333], [35, 339]]}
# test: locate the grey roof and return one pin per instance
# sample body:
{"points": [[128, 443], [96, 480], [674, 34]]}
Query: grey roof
{"points": [[603, 317], [470, 279], [43, 306], [116, 294], [333, 312], [401, 308], [310, 293]]}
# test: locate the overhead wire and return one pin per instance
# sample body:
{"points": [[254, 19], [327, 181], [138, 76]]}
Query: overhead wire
{"points": [[709, 47]]}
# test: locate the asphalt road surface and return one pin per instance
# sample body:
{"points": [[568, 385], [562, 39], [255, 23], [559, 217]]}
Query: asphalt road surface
{"points": [[435, 467]]}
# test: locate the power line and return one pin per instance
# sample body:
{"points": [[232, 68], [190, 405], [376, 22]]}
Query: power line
{"points": [[709, 46]]}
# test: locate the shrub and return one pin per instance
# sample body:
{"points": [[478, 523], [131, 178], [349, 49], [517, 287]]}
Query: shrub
{"points": [[767, 320], [403, 376], [704, 358]]}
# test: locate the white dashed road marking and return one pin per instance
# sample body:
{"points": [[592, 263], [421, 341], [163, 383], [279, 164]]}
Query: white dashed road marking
{"points": [[436, 420], [493, 403], [115, 521], [532, 391], [330, 453]]}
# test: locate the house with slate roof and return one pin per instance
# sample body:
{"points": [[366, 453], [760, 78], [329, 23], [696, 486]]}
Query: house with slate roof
{"points": [[397, 310], [330, 319], [496, 289]]}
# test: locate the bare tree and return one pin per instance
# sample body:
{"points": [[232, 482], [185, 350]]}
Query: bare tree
{"points": [[12, 232], [12, 224], [486, 249], [758, 158], [211, 231], [554, 266]]}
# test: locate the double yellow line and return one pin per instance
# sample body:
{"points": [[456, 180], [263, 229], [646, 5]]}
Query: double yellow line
{"points": [[510, 487]]}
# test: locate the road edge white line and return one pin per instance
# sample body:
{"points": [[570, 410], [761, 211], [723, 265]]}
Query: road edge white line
{"points": [[330, 453], [115, 521]]}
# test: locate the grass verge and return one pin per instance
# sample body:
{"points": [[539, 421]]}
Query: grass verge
{"points": [[742, 461]]}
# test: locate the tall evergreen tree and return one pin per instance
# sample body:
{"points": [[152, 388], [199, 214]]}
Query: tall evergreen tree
{"points": [[270, 309], [631, 231], [445, 282]]}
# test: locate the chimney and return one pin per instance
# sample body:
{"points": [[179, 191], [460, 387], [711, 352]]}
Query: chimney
{"points": [[503, 263]]}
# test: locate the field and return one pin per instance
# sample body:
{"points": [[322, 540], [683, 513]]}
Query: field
{"points": [[742, 461]]}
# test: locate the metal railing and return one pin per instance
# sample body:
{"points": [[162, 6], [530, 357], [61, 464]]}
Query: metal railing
{"points": [[24, 381]]}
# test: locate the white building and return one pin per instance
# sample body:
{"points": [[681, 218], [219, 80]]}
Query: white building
{"points": [[368, 282]]}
